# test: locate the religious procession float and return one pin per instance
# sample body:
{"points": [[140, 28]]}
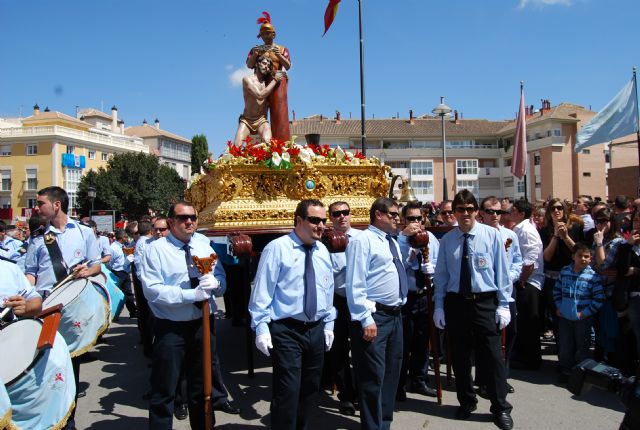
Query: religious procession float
{"points": [[255, 185]]}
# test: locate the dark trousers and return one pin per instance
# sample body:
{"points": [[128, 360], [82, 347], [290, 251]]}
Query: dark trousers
{"points": [[337, 363], [575, 339], [415, 329], [124, 283], [297, 354], [528, 346], [472, 327], [510, 335], [144, 314], [219, 394], [175, 343], [377, 365]]}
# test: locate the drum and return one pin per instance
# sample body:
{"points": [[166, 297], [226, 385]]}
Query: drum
{"points": [[116, 296], [5, 408], [40, 386], [85, 313]]}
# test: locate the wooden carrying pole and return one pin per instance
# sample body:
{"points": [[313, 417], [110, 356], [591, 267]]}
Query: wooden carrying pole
{"points": [[206, 365], [434, 341], [205, 265]]}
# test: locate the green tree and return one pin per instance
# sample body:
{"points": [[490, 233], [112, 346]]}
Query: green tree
{"points": [[132, 183], [199, 152]]}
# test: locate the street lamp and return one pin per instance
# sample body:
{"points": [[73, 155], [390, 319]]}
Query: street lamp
{"points": [[91, 194], [442, 110]]}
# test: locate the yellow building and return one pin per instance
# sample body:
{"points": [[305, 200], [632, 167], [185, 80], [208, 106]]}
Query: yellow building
{"points": [[52, 148]]}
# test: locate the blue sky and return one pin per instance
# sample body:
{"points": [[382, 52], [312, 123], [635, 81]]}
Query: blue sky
{"points": [[176, 60]]}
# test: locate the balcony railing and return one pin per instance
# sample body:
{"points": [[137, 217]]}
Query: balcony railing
{"points": [[114, 142]]}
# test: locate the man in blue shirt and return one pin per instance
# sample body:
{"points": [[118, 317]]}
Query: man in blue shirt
{"points": [[292, 312], [377, 288], [9, 246], [76, 247], [337, 361], [103, 242], [472, 287], [174, 288], [491, 212], [120, 265], [415, 319]]}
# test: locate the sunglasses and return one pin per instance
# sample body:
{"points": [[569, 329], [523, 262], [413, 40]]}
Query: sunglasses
{"points": [[446, 212], [493, 212], [344, 212], [315, 220], [184, 218], [393, 215], [160, 229], [557, 208], [602, 221], [465, 209], [414, 218]]}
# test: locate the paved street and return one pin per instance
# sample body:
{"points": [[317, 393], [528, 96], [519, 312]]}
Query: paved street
{"points": [[117, 378]]}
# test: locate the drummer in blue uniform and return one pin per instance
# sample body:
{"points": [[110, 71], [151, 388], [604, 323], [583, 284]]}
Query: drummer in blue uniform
{"points": [[17, 293], [65, 244], [9, 246]]}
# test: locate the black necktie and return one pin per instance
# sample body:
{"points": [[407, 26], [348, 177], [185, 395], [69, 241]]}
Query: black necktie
{"points": [[310, 294], [192, 270], [465, 271], [404, 283]]}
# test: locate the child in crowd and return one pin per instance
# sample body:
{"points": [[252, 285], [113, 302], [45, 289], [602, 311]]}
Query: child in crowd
{"points": [[578, 296]]}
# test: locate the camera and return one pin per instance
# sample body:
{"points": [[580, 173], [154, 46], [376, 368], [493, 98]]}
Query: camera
{"points": [[589, 373]]}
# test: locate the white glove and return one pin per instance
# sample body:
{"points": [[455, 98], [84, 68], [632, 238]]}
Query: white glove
{"points": [[263, 343], [130, 258], [209, 283], [503, 316], [438, 318], [428, 268], [328, 339], [201, 294]]}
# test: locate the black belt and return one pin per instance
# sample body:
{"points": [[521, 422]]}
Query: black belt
{"points": [[292, 322], [393, 310], [477, 296]]}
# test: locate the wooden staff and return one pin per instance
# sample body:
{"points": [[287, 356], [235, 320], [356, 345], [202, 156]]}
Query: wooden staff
{"points": [[503, 336], [433, 334], [205, 265]]}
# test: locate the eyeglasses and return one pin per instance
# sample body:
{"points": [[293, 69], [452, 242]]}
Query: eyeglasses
{"points": [[414, 218], [446, 212], [393, 215], [160, 229], [493, 212], [184, 218], [315, 220], [344, 212], [557, 208], [465, 209], [602, 221]]}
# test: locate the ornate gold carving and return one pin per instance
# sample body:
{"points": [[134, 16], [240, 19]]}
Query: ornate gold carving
{"points": [[244, 195]]}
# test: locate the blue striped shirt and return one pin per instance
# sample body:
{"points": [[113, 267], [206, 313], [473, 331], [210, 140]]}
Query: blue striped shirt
{"points": [[578, 292]]}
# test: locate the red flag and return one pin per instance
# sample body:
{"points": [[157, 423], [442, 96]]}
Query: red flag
{"points": [[519, 160], [330, 14]]}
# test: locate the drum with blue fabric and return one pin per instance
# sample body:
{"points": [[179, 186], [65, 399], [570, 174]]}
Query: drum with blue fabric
{"points": [[39, 383], [116, 295], [5, 408], [85, 313]]}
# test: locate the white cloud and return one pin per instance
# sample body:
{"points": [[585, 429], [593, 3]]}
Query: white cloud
{"points": [[525, 3], [235, 77]]}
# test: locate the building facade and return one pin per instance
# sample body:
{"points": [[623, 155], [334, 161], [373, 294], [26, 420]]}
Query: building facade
{"points": [[478, 152], [52, 148], [173, 150]]}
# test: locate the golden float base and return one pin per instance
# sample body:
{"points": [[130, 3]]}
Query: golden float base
{"points": [[245, 196]]}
